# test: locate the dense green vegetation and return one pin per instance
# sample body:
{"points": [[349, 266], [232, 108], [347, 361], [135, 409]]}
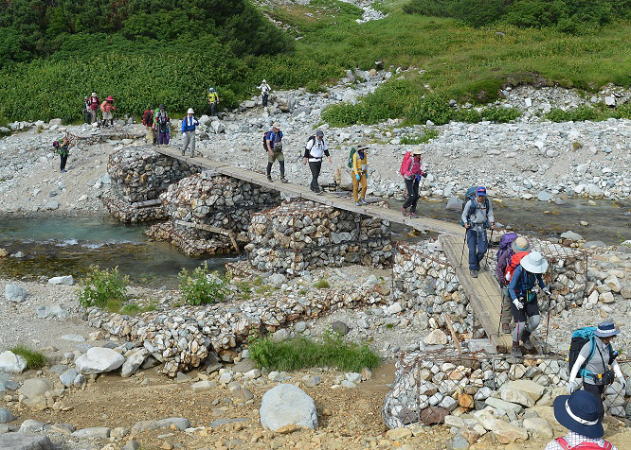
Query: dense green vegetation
{"points": [[145, 55], [104, 288], [298, 353], [201, 286]]}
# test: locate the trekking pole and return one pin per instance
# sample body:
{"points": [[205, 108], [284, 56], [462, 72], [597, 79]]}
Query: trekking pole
{"points": [[486, 261], [545, 345], [464, 242]]}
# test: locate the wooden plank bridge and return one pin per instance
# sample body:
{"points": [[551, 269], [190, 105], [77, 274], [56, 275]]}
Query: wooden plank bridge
{"points": [[483, 292]]}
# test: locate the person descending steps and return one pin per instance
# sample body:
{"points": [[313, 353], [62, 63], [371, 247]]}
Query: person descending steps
{"points": [[525, 307], [265, 91], [315, 150], [213, 101], [590, 358], [477, 217]]}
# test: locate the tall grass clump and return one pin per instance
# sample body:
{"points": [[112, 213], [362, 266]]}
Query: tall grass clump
{"points": [[104, 288], [201, 286], [300, 352], [34, 359]]}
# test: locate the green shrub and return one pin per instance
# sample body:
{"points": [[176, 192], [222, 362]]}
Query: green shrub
{"points": [[322, 283], [201, 286], [34, 359], [500, 114], [104, 288], [596, 112], [132, 309], [428, 135], [431, 107], [300, 352]]}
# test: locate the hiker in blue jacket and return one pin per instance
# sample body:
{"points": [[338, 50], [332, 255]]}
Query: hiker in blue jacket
{"points": [[477, 216], [524, 305], [593, 361], [189, 123]]}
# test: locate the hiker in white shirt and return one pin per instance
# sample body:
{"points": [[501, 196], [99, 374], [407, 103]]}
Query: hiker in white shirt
{"points": [[315, 150]]}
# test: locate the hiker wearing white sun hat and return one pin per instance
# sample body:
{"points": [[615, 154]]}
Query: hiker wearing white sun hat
{"points": [[524, 304], [189, 123]]}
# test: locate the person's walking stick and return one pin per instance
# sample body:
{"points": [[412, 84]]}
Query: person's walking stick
{"points": [[486, 261], [545, 345], [464, 242]]}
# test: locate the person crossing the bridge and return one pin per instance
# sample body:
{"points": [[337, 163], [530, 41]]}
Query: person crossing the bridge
{"points": [[360, 175], [162, 125], [477, 216], [213, 101], [593, 362], [315, 150], [524, 305], [273, 144], [412, 172], [107, 110], [189, 124]]}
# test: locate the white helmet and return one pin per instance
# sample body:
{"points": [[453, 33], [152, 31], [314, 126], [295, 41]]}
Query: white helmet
{"points": [[264, 81], [190, 111]]}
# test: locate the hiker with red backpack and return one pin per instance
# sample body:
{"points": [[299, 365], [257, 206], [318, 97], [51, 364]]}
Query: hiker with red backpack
{"points": [[511, 250], [477, 217], [93, 106], [582, 415], [147, 121], [592, 361], [412, 171], [524, 306]]}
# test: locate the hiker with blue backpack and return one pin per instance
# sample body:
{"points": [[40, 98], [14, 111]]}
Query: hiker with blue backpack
{"points": [[189, 124], [591, 356], [524, 306], [273, 144], [477, 217]]}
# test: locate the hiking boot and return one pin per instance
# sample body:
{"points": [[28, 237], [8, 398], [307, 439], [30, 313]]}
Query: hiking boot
{"points": [[474, 273], [358, 203], [284, 180], [506, 328], [269, 178], [529, 347], [183, 154], [413, 215], [404, 212], [363, 201], [515, 351]]}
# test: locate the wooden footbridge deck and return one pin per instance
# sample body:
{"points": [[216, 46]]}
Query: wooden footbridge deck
{"points": [[483, 292]]}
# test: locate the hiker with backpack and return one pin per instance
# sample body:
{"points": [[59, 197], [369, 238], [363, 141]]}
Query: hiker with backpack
{"points": [[511, 251], [360, 175], [162, 125], [582, 415], [147, 121], [315, 150], [63, 150], [412, 171], [213, 101], [86, 110], [273, 144], [107, 108], [189, 124], [477, 216], [265, 90], [524, 305], [592, 361], [93, 106]]}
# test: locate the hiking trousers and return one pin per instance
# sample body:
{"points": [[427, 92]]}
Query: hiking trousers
{"points": [[163, 138], [596, 390], [264, 99], [478, 244], [150, 135], [62, 162], [526, 320], [363, 182], [189, 140], [412, 187], [315, 173]]}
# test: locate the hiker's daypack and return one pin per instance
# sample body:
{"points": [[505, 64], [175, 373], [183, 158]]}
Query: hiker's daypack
{"points": [[275, 145], [147, 118], [580, 337], [405, 164], [583, 445], [265, 138], [470, 195], [311, 138], [352, 152], [512, 265], [504, 255]]}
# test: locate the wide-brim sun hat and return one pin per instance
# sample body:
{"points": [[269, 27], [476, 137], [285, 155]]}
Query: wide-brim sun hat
{"points": [[606, 329], [416, 152], [190, 111], [520, 244], [581, 413], [276, 125], [110, 98], [534, 263]]}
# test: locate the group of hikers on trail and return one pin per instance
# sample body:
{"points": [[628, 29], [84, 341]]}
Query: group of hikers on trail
{"points": [[92, 104], [157, 125]]}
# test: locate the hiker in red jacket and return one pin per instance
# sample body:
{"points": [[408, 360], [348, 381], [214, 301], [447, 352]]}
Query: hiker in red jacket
{"points": [[93, 106], [107, 108], [147, 121]]}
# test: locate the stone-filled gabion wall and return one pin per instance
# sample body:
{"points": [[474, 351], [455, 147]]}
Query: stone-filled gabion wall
{"points": [[301, 235], [140, 174], [424, 279], [217, 200], [428, 381], [182, 338], [126, 213], [191, 242]]}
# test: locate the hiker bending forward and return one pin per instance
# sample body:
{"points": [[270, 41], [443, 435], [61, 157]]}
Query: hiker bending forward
{"points": [[524, 305], [593, 361], [360, 175], [477, 216]]}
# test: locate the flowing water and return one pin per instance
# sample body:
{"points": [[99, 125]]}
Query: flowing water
{"points": [[54, 246]]}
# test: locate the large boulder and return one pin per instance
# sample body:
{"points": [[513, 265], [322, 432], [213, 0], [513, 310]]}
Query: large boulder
{"points": [[134, 360], [99, 360], [6, 416], [22, 441], [14, 293], [523, 392], [35, 387], [67, 280], [12, 363], [285, 405]]}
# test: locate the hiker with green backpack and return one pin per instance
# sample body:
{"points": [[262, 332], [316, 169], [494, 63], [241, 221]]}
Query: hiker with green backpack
{"points": [[591, 355], [477, 217]]}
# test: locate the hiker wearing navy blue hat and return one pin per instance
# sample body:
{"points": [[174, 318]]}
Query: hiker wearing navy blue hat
{"points": [[477, 216], [594, 360], [524, 305], [582, 415]]}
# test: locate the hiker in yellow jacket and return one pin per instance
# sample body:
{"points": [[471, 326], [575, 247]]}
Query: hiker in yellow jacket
{"points": [[213, 101], [360, 175]]}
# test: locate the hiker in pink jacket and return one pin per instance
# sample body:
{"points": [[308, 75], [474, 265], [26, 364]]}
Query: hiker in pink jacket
{"points": [[412, 171]]}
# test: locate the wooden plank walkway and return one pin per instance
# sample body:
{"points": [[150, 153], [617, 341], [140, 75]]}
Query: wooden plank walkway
{"points": [[421, 223], [482, 292]]}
